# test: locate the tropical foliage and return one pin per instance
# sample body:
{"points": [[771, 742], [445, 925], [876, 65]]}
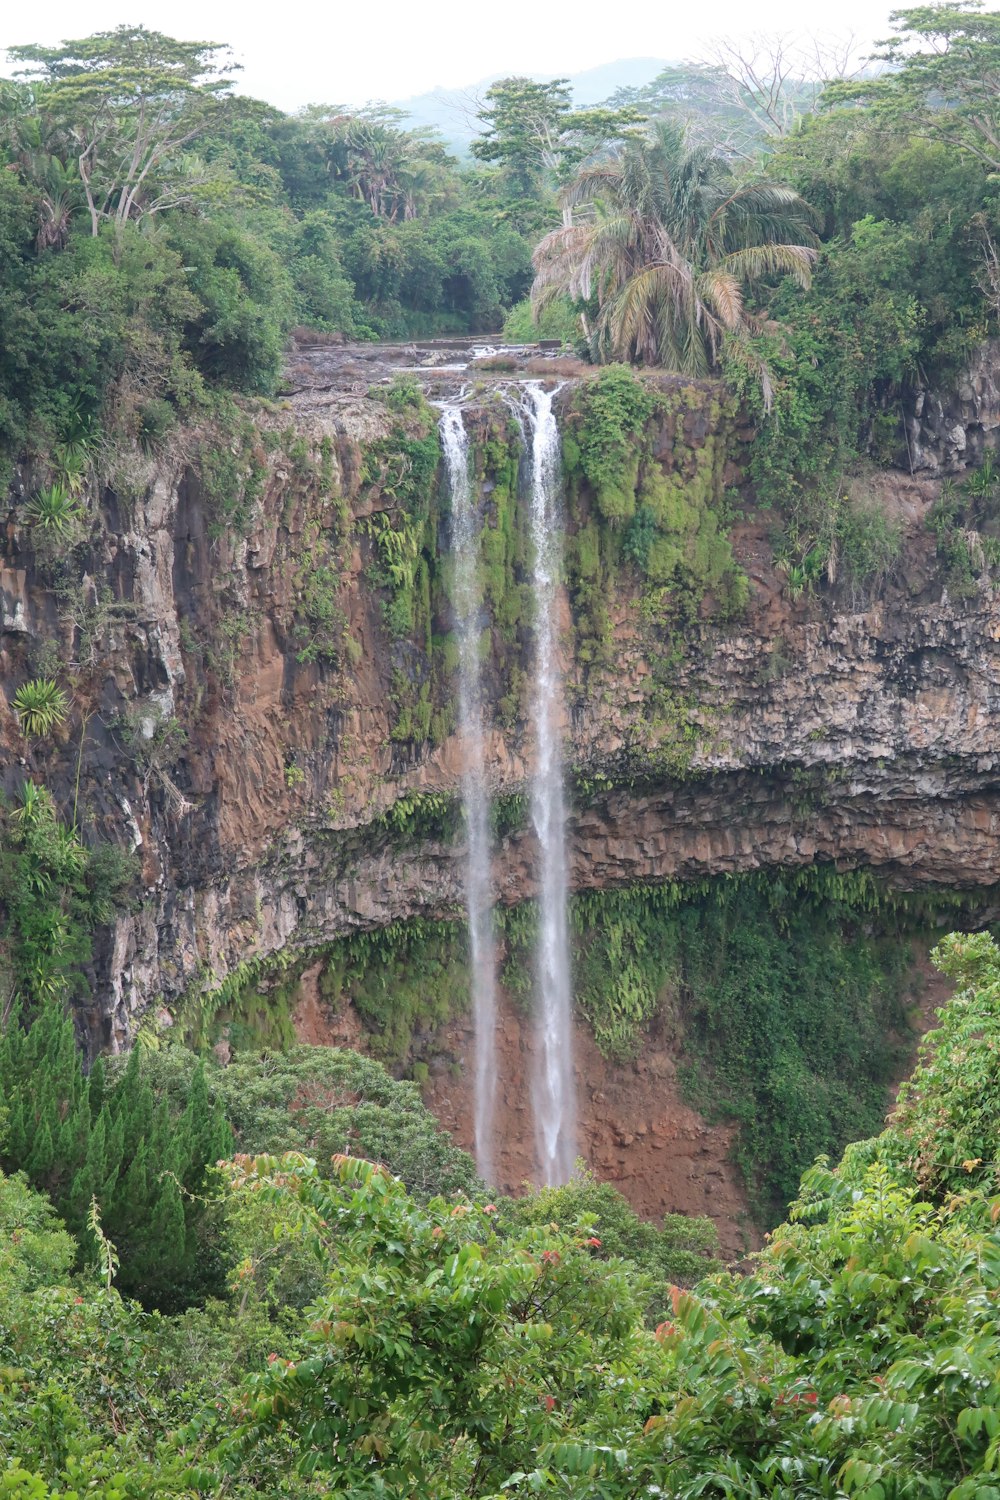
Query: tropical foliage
{"points": [[341, 1310], [669, 242], [54, 893], [450, 1347], [40, 705], [160, 238]]}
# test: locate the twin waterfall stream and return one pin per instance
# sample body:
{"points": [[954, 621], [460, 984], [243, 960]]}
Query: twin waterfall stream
{"points": [[552, 1084]]}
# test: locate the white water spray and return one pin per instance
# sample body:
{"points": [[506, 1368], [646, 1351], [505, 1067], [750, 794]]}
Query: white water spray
{"points": [[553, 1084], [478, 893]]}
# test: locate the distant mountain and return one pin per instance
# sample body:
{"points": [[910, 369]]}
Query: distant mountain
{"points": [[453, 112]]}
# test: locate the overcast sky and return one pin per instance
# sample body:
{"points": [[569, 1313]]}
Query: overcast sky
{"points": [[296, 53]]}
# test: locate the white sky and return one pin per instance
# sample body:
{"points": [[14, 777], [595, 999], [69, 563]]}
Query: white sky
{"points": [[295, 52]]}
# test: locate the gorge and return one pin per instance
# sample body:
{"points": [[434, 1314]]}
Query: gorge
{"points": [[499, 773], [251, 729]]}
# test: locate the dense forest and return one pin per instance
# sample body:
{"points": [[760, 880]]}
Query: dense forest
{"points": [[280, 1277], [826, 248]]}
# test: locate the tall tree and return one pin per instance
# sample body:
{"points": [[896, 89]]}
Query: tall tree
{"points": [[943, 78], [534, 135], [125, 104], [668, 242]]}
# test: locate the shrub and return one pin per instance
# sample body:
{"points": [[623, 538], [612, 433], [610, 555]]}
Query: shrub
{"points": [[869, 545], [556, 321]]}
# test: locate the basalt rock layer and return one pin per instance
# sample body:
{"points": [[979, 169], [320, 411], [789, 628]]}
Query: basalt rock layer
{"points": [[256, 773]]}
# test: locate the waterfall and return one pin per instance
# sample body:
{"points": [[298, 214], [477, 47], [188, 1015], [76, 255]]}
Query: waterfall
{"points": [[478, 895], [553, 1083]]}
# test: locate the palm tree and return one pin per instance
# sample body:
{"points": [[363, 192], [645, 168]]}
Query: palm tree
{"points": [[670, 241]]}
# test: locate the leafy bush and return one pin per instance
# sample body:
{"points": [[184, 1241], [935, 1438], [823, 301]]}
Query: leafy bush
{"points": [[459, 1349], [680, 1250], [325, 1101], [947, 1116], [54, 892], [868, 546], [605, 442], [557, 320]]}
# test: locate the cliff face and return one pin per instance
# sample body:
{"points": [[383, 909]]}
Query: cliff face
{"points": [[949, 430], [237, 705]]}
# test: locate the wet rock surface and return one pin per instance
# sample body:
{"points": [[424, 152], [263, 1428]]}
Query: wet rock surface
{"points": [[814, 730], [950, 430], [251, 781]]}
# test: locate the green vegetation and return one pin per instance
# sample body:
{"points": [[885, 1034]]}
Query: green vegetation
{"points": [[679, 1250], [377, 1342], [535, 139], [161, 236], [964, 520], [556, 321], [54, 893], [784, 997], [411, 565], [614, 410], [645, 464], [401, 471], [404, 980], [139, 1138], [353, 1318], [325, 1102], [420, 815], [55, 509], [675, 246], [41, 706], [144, 1162]]}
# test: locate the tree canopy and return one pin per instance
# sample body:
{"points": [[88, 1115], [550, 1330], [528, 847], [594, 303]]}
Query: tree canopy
{"points": [[124, 104], [667, 243]]}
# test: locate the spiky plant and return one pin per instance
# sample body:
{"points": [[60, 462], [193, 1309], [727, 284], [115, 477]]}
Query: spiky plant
{"points": [[669, 241], [55, 510], [35, 802], [40, 706]]}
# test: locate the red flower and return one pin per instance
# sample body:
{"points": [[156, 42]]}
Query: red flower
{"points": [[594, 1242]]}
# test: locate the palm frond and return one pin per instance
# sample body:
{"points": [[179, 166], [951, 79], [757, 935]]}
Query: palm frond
{"points": [[668, 239], [720, 290], [759, 261], [746, 354]]}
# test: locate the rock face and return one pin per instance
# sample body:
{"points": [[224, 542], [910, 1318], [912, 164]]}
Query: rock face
{"points": [[256, 777], [948, 431], [236, 686], [632, 1127]]}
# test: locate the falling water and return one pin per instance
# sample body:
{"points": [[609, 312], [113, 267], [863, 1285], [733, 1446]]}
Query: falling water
{"points": [[478, 895], [554, 1098]]}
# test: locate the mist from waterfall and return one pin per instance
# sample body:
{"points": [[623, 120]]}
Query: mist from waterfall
{"points": [[554, 1093], [467, 603]]}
